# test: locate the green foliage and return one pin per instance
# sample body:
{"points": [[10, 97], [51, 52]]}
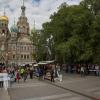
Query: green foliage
{"points": [[76, 33], [38, 44]]}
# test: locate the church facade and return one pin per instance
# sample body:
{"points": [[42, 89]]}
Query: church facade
{"points": [[16, 46]]}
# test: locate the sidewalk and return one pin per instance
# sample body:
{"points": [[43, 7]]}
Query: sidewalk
{"points": [[4, 94], [88, 85]]}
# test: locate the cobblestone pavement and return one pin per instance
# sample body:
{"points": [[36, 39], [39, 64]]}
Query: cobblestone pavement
{"points": [[41, 90]]}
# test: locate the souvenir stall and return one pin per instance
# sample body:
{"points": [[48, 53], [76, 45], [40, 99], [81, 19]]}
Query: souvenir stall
{"points": [[47, 66]]}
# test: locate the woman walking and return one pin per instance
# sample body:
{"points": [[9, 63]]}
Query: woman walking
{"points": [[17, 76]]}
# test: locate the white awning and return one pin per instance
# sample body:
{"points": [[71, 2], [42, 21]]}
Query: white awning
{"points": [[35, 65], [45, 62]]}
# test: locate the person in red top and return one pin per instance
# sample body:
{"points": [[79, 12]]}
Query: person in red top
{"points": [[17, 76]]}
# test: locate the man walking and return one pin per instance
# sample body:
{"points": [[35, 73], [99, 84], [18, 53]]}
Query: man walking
{"points": [[52, 75], [82, 71]]}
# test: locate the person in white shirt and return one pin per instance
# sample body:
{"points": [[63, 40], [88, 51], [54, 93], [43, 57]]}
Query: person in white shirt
{"points": [[97, 68], [82, 71]]}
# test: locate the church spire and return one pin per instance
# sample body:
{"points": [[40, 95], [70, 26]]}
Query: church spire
{"points": [[4, 12], [23, 9], [34, 25], [23, 2]]}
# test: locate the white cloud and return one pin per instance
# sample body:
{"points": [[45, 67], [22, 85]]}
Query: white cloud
{"points": [[38, 11]]}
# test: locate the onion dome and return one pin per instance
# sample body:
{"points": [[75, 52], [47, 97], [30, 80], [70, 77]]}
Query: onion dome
{"points": [[14, 29], [4, 18]]}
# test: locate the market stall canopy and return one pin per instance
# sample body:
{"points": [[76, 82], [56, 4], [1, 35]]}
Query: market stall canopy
{"points": [[45, 62], [35, 65]]}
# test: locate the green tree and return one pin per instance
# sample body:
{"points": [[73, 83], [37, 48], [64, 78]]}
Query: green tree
{"points": [[76, 32]]}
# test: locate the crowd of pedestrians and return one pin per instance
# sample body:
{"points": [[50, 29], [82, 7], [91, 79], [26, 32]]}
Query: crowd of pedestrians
{"points": [[24, 72], [82, 69], [16, 74]]}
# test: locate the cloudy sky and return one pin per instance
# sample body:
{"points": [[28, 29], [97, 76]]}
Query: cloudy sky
{"points": [[38, 10]]}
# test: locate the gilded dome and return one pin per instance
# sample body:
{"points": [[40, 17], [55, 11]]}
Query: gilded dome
{"points": [[4, 18]]}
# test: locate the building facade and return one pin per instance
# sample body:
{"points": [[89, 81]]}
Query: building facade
{"points": [[16, 46]]}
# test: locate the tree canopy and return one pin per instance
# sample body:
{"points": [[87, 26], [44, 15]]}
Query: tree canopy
{"points": [[75, 32]]}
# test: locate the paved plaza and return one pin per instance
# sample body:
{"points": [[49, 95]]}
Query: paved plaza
{"points": [[4, 94], [73, 86]]}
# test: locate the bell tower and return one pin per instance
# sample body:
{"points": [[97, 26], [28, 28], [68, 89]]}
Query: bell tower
{"points": [[23, 9], [22, 24], [4, 36]]}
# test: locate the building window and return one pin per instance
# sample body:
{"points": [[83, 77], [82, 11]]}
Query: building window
{"points": [[21, 56], [22, 48], [27, 56], [13, 56], [28, 48], [19, 48], [14, 48], [24, 56], [25, 48]]}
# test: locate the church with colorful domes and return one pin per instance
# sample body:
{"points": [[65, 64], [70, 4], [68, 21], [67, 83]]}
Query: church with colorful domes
{"points": [[16, 47]]}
